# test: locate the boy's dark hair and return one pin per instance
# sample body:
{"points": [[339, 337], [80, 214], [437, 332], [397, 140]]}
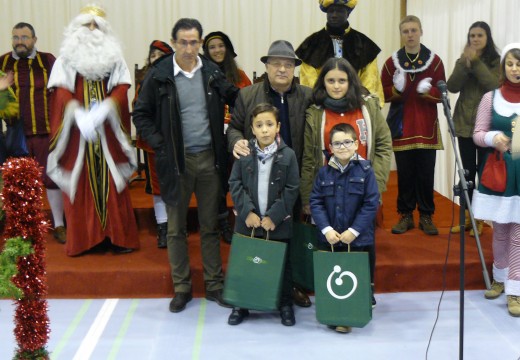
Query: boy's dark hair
{"points": [[344, 128], [186, 24], [22, 25], [265, 107]]}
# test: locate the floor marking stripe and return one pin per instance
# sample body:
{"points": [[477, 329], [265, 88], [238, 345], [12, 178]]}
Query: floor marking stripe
{"points": [[70, 329], [200, 327], [124, 328], [96, 329]]}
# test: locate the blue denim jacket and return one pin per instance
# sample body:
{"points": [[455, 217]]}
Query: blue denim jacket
{"points": [[346, 199]]}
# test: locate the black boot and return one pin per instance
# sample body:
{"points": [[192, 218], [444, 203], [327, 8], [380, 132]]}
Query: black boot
{"points": [[225, 230], [162, 231]]}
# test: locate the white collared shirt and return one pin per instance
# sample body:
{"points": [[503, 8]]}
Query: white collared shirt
{"points": [[188, 74]]}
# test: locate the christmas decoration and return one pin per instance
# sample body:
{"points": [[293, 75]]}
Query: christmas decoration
{"points": [[25, 247]]}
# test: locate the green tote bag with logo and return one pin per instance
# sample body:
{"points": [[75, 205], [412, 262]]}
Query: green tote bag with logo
{"points": [[342, 288], [303, 245], [254, 273]]}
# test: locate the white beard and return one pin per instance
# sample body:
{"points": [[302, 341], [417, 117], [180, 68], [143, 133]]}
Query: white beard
{"points": [[93, 54]]}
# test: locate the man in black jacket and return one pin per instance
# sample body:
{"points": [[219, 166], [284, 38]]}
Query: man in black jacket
{"points": [[180, 114]]}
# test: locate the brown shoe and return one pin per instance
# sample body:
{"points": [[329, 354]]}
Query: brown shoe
{"points": [[480, 227], [343, 329], [497, 288], [60, 234], [467, 224], [405, 223], [513, 305], [300, 298], [426, 225]]}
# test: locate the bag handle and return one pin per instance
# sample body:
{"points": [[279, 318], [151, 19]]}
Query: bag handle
{"points": [[332, 247], [253, 234]]}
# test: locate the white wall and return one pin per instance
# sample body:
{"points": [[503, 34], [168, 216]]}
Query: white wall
{"points": [[253, 24]]}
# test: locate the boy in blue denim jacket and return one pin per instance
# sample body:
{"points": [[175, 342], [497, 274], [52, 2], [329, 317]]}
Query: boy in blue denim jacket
{"points": [[344, 197]]}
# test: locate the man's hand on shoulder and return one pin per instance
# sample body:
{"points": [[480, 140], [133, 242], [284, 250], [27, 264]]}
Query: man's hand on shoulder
{"points": [[241, 148]]}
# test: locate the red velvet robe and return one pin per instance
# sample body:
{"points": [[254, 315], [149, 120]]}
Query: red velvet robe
{"points": [[90, 221]]}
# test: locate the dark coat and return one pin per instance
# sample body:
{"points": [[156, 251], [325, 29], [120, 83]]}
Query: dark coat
{"points": [[358, 49], [157, 119], [298, 98], [346, 200], [283, 191]]}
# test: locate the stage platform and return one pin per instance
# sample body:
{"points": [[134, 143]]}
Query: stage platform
{"points": [[409, 262]]}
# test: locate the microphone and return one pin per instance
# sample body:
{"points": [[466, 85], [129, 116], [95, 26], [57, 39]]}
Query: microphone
{"points": [[443, 88]]}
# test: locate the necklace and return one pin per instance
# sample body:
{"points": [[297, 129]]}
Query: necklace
{"points": [[412, 63], [416, 57]]}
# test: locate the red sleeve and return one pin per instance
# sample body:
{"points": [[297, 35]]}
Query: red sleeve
{"points": [[60, 97], [387, 80], [119, 95], [244, 80]]}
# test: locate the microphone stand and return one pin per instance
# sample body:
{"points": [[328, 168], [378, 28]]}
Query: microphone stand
{"points": [[462, 189]]}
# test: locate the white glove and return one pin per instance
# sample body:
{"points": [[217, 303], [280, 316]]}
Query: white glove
{"points": [[99, 112], [424, 86], [399, 80], [85, 125]]}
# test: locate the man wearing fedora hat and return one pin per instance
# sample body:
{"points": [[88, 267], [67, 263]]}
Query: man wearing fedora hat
{"points": [[280, 90], [292, 100], [338, 39]]}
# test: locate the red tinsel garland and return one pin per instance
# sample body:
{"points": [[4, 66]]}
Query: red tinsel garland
{"points": [[22, 195]]}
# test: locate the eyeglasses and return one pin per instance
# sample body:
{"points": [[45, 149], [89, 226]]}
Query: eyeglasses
{"points": [[279, 64], [336, 145], [185, 44], [23, 38]]}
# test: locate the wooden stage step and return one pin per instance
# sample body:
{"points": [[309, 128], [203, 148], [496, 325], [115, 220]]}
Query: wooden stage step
{"points": [[409, 262]]}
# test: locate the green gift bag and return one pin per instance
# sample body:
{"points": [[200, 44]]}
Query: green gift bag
{"points": [[302, 247], [342, 288], [254, 273]]}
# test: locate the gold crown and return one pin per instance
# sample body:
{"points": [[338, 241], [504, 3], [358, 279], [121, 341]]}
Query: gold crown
{"points": [[93, 10]]}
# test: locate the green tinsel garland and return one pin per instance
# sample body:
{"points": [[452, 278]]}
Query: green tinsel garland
{"points": [[14, 248]]}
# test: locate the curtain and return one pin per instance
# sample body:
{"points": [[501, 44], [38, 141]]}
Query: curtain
{"points": [[445, 25], [253, 25]]}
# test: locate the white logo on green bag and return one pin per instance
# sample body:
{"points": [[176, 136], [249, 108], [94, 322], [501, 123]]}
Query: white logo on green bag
{"points": [[339, 282], [310, 246], [256, 260]]}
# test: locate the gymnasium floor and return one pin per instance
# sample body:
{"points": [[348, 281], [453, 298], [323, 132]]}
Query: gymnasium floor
{"points": [[400, 329]]}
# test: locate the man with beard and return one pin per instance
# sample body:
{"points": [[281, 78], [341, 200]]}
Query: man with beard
{"points": [[91, 157], [31, 70], [338, 39]]}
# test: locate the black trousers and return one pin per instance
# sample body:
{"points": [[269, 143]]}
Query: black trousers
{"points": [[415, 176], [471, 156]]}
